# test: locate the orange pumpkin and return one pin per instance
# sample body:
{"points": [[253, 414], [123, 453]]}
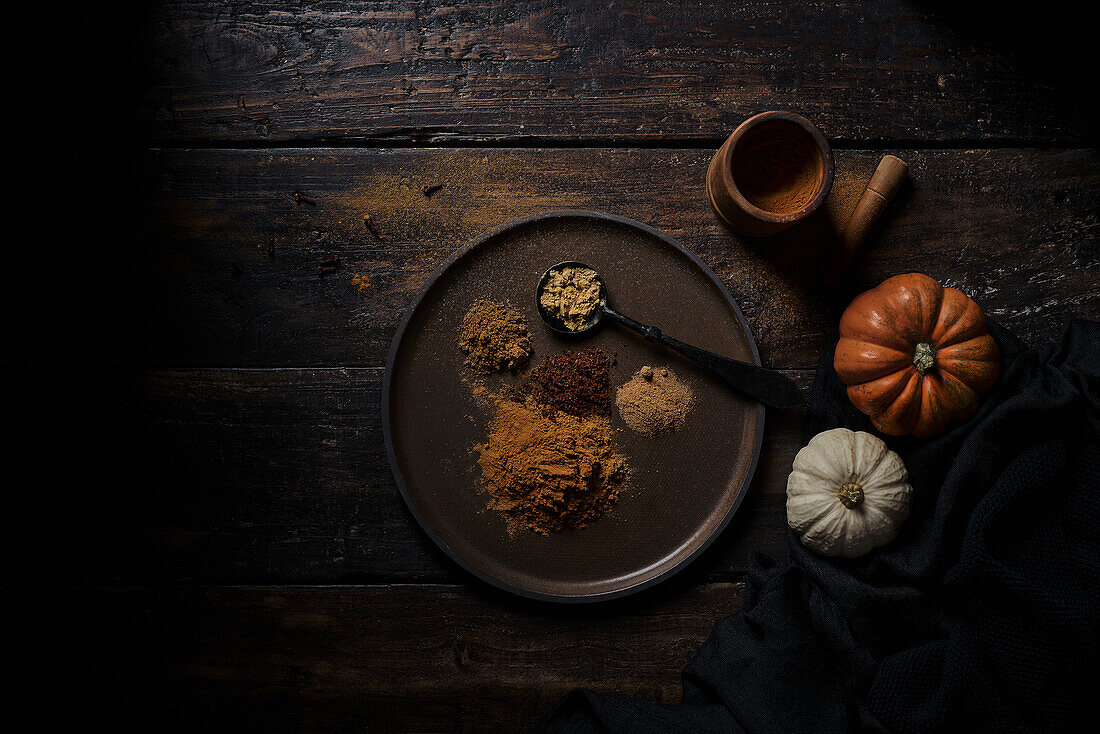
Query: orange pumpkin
{"points": [[916, 356]]}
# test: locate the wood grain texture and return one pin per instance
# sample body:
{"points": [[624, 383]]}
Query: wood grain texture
{"points": [[628, 71], [265, 476], [229, 260], [339, 658]]}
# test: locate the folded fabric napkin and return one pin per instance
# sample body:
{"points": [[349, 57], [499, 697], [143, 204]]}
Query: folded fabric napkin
{"points": [[980, 616]]}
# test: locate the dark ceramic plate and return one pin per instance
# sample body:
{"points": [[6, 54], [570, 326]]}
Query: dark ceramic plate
{"points": [[684, 487]]}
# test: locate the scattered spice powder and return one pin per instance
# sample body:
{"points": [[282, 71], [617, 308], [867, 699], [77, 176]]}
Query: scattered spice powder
{"points": [[361, 282], [654, 401], [571, 294], [368, 222], [494, 337], [549, 471], [578, 383]]}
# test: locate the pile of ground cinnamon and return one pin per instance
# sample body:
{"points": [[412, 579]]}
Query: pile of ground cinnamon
{"points": [[578, 383], [549, 470], [776, 170], [654, 401], [494, 337]]}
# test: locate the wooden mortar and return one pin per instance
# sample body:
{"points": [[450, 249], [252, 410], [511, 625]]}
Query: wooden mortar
{"points": [[774, 171]]}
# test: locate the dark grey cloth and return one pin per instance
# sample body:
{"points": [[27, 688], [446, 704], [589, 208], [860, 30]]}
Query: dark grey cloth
{"points": [[980, 616]]}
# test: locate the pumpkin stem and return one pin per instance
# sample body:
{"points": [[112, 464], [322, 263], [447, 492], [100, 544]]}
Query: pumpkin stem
{"points": [[924, 357], [850, 495]]}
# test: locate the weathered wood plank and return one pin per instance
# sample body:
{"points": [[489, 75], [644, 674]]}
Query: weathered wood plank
{"points": [[261, 476], [375, 658], [1016, 229], [628, 71]]}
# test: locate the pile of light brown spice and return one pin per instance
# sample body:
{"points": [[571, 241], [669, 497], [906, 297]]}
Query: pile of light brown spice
{"points": [[654, 401]]}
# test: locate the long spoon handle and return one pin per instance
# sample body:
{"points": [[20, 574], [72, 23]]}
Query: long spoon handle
{"points": [[767, 386]]}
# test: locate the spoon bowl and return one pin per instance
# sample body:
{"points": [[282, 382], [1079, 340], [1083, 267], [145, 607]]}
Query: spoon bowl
{"points": [[551, 319]]}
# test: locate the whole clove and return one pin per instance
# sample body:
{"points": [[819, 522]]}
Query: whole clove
{"points": [[430, 189], [368, 222], [300, 198], [328, 265]]}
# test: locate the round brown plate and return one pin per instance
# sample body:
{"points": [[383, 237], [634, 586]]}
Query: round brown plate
{"points": [[684, 487]]}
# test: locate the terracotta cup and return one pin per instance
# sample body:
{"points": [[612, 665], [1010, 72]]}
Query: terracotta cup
{"points": [[774, 171]]}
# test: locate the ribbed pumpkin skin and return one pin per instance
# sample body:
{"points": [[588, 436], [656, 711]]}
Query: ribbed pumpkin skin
{"points": [[814, 510], [879, 334]]}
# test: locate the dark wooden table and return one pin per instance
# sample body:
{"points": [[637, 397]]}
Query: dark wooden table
{"points": [[215, 540]]}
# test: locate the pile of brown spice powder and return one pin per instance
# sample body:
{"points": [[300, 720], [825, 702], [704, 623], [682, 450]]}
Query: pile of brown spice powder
{"points": [[549, 470], [575, 382], [776, 170], [654, 401], [494, 337]]}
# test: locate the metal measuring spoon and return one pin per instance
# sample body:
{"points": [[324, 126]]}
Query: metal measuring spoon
{"points": [[759, 383]]}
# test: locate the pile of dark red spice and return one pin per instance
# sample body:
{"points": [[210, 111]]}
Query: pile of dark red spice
{"points": [[578, 383]]}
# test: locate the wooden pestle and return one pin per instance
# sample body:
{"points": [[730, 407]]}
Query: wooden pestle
{"points": [[885, 182]]}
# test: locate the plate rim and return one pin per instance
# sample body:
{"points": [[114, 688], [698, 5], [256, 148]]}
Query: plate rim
{"points": [[395, 470]]}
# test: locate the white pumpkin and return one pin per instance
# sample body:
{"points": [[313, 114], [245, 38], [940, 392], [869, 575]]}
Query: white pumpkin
{"points": [[848, 493]]}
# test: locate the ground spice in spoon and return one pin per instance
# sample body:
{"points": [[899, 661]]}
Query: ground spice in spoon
{"points": [[494, 337], [578, 383], [572, 294], [654, 401]]}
